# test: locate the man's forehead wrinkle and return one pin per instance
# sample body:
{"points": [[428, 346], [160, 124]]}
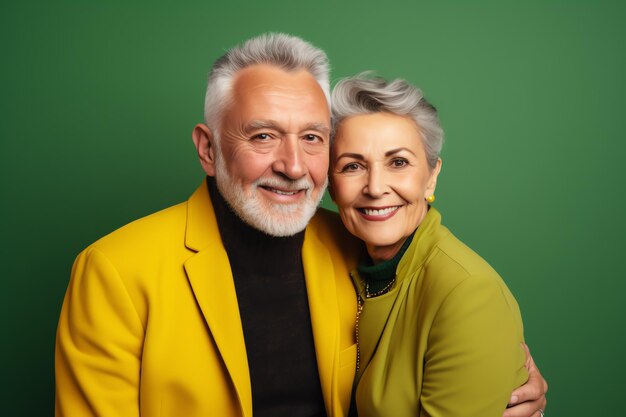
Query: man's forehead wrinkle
{"points": [[271, 72], [273, 94], [274, 88], [271, 81], [256, 124]]}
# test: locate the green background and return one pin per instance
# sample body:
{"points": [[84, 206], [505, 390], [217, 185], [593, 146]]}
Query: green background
{"points": [[98, 103]]}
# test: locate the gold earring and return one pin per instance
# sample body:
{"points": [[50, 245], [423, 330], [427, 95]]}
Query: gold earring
{"points": [[430, 198]]}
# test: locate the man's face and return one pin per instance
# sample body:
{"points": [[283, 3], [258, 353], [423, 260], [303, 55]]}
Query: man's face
{"points": [[272, 161]]}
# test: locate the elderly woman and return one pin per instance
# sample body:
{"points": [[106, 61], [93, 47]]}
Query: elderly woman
{"points": [[438, 332]]}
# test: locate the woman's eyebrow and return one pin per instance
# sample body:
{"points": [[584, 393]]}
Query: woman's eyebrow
{"points": [[398, 150], [351, 155]]}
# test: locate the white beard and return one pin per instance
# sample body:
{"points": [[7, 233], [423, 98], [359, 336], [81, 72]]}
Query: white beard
{"points": [[274, 219]]}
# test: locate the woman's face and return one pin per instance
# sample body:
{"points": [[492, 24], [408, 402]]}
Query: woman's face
{"points": [[380, 179]]}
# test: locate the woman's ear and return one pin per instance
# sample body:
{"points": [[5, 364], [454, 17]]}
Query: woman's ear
{"points": [[432, 180], [204, 140]]}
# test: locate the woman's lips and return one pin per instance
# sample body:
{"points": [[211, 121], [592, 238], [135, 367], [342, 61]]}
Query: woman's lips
{"points": [[378, 213]]}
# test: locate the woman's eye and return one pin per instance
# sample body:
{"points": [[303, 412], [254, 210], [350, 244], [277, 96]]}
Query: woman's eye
{"points": [[350, 167], [399, 163]]}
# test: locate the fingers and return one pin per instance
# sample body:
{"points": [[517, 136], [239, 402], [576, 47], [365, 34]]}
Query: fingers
{"points": [[529, 358], [537, 378], [529, 398], [527, 409], [533, 390]]}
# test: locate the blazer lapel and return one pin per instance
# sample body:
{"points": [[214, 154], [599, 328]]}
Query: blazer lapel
{"points": [[320, 275], [211, 279]]}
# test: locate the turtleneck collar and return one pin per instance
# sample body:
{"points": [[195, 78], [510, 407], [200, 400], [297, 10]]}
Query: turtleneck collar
{"points": [[378, 276], [250, 249]]}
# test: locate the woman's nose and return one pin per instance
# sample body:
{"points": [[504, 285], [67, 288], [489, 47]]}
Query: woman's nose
{"points": [[376, 183]]}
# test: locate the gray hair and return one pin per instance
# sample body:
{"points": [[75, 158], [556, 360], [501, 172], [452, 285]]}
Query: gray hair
{"points": [[367, 94], [287, 52]]}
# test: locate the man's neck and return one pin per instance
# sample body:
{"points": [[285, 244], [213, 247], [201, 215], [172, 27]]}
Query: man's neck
{"points": [[245, 243]]}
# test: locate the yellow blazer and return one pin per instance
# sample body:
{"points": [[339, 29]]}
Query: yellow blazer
{"points": [[445, 340], [150, 324]]}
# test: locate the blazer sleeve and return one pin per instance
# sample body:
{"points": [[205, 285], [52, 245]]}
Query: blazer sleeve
{"points": [[99, 343], [474, 358]]}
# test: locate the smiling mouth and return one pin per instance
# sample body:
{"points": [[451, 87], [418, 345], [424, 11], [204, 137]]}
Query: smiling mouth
{"points": [[281, 192], [382, 212]]}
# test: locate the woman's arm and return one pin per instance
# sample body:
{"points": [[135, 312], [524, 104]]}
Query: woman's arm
{"points": [[527, 400], [474, 358]]}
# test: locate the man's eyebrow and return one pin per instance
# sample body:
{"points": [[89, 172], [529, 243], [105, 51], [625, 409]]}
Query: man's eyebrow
{"points": [[262, 124], [272, 124], [319, 127]]}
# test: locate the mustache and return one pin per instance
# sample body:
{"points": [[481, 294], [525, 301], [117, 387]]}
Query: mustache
{"points": [[285, 184]]}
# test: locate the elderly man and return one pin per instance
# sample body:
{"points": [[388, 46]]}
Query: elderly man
{"points": [[237, 301]]}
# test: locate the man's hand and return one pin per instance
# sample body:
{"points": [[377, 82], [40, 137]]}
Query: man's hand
{"points": [[529, 400]]}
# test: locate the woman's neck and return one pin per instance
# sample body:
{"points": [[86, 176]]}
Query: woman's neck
{"points": [[380, 254], [384, 253]]}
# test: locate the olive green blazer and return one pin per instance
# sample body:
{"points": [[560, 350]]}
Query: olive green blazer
{"points": [[445, 340]]}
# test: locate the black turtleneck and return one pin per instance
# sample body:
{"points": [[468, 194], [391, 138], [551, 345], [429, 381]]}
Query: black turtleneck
{"points": [[378, 276], [274, 310]]}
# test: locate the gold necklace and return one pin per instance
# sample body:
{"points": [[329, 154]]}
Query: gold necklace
{"points": [[359, 303], [359, 310], [387, 287]]}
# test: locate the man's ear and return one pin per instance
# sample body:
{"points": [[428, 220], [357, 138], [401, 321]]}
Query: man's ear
{"points": [[205, 146], [432, 181]]}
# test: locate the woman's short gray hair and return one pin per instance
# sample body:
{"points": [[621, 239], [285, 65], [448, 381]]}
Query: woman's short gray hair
{"points": [[287, 52], [366, 94]]}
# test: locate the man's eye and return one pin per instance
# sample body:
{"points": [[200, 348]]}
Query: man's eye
{"points": [[262, 136], [312, 138]]}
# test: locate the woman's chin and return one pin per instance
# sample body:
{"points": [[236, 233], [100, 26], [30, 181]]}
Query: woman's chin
{"points": [[382, 249]]}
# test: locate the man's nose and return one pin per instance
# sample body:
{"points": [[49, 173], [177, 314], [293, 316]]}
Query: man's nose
{"points": [[290, 158]]}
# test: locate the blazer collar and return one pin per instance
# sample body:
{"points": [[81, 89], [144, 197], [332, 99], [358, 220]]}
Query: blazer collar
{"points": [[320, 284], [201, 228], [211, 279], [429, 232]]}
